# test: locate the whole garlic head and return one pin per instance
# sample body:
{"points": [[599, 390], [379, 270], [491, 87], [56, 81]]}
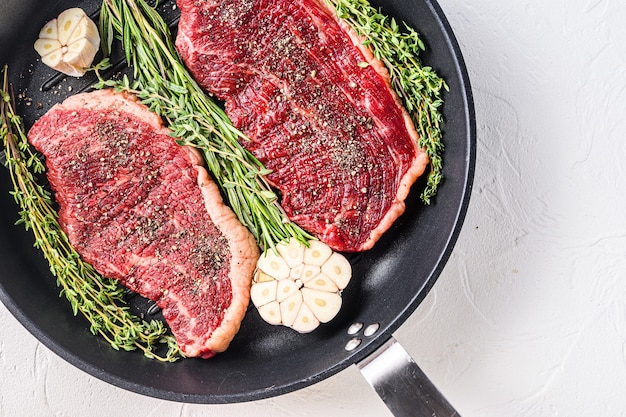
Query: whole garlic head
{"points": [[69, 43], [298, 286]]}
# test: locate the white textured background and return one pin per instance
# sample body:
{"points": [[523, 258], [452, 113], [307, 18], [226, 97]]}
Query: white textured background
{"points": [[529, 317]]}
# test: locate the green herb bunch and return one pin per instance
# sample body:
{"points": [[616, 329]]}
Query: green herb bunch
{"points": [[163, 83], [99, 299], [418, 86]]}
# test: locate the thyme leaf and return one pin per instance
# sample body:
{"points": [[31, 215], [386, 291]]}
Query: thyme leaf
{"points": [[98, 299], [418, 86]]}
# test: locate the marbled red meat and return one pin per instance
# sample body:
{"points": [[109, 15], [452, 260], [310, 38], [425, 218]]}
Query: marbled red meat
{"points": [[142, 209], [342, 149]]}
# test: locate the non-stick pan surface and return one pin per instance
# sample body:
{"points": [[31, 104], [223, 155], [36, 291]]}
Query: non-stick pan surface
{"points": [[388, 284]]}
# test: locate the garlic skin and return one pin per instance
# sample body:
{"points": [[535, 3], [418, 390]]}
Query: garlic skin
{"points": [[69, 43], [299, 286]]}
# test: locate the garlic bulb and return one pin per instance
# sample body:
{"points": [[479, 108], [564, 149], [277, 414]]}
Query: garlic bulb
{"points": [[298, 286], [69, 43]]}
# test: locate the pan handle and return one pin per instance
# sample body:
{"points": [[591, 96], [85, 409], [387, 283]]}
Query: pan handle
{"points": [[402, 385]]}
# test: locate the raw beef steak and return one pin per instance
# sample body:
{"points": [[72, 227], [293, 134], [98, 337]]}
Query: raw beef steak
{"points": [[317, 107], [142, 209]]}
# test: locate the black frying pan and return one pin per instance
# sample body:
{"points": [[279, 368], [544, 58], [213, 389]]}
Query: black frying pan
{"points": [[263, 361]]}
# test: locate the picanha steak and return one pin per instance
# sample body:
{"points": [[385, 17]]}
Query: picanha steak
{"points": [[143, 210], [317, 107]]}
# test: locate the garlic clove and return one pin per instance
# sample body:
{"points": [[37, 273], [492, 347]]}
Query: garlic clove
{"points": [[85, 29], [78, 52], [322, 283], [338, 269], [263, 293], [271, 313], [49, 31], [289, 308], [260, 276], [317, 253], [273, 264], [55, 60], [286, 288], [67, 22], [292, 252], [296, 272], [305, 321], [309, 272], [47, 46], [325, 305]]}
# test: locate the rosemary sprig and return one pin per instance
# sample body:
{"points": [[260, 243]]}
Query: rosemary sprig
{"points": [[99, 299], [163, 83], [418, 86]]}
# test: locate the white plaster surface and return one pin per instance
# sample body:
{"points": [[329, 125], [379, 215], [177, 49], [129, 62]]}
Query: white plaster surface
{"points": [[528, 318]]}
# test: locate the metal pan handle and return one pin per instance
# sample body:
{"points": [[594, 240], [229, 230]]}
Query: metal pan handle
{"points": [[402, 385]]}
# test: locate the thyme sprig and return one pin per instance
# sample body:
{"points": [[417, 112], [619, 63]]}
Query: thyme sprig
{"points": [[99, 299], [162, 82], [418, 86]]}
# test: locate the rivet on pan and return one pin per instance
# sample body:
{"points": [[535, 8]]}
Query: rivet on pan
{"points": [[355, 328], [352, 344], [371, 329]]}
